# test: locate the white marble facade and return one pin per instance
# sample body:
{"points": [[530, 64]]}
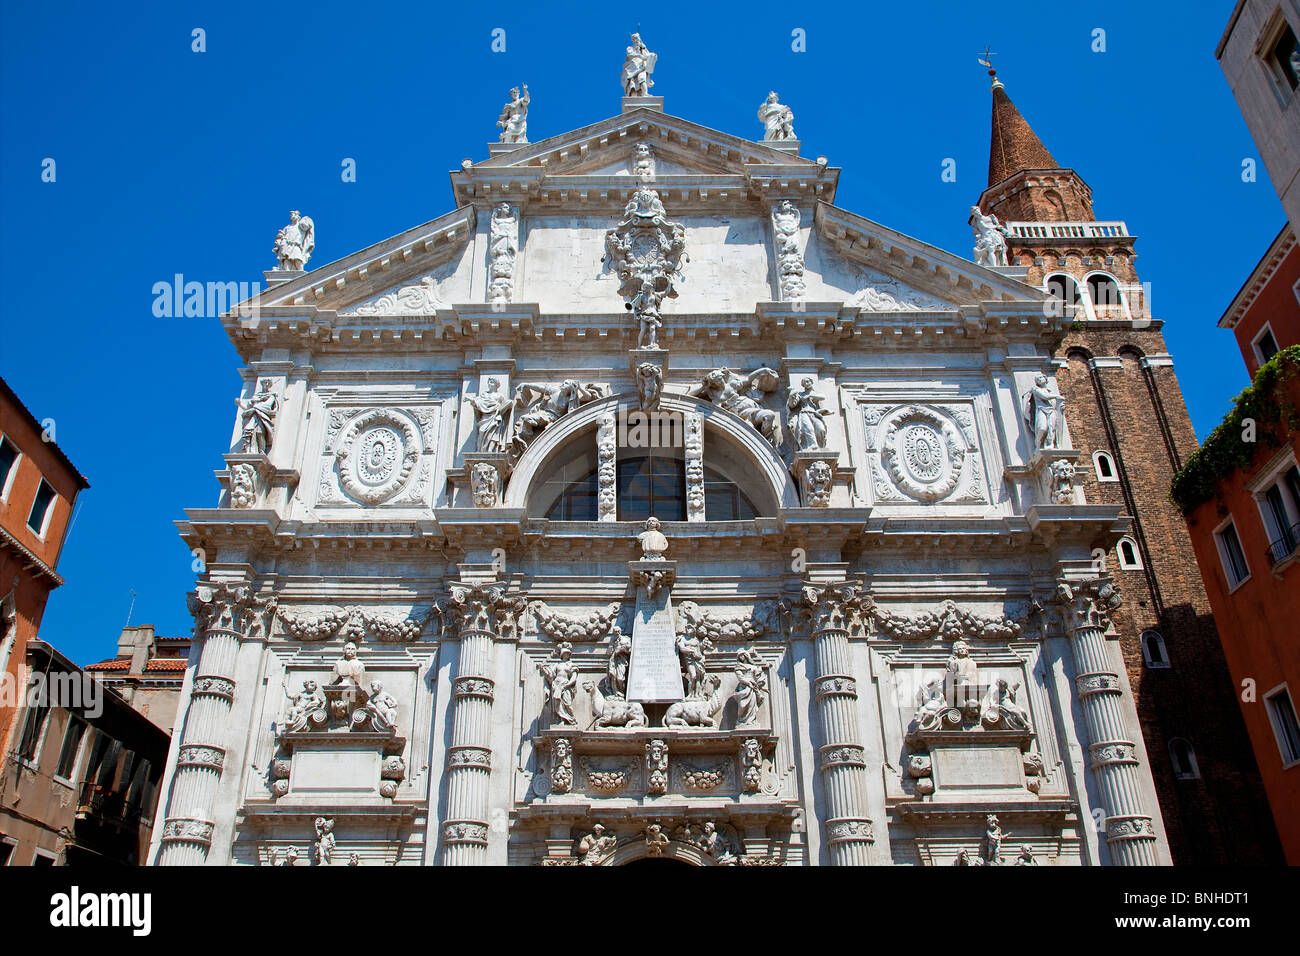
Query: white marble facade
{"points": [[906, 637]]}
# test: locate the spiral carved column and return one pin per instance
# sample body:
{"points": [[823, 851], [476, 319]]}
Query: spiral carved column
{"points": [[479, 611], [1130, 833], [841, 758], [225, 616]]}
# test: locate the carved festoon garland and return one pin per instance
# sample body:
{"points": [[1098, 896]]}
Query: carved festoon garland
{"points": [[694, 452], [708, 625], [947, 622], [594, 626], [354, 623], [606, 470]]}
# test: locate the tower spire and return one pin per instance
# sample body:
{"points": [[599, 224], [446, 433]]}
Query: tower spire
{"points": [[1014, 146]]}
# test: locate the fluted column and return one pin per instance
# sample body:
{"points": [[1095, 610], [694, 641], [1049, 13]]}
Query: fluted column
{"points": [[841, 758], [1130, 832], [480, 611], [225, 616]]}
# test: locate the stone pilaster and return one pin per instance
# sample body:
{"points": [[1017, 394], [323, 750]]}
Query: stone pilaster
{"points": [[841, 758], [1130, 831], [225, 616], [480, 612]]}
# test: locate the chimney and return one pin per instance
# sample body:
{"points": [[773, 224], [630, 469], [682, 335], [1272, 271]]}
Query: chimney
{"points": [[138, 644]]}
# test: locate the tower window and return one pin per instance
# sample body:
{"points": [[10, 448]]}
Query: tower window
{"points": [[1183, 758], [1063, 288], [1283, 60], [1105, 466], [1153, 649], [1129, 558], [1103, 290], [1281, 714]]}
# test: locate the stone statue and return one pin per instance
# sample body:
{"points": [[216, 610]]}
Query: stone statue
{"points": [[1044, 408], [992, 840], [323, 848], [656, 765], [493, 410], [645, 309], [652, 540], [785, 229], [614, 711], [354, 859], [990, 238], [514, 117], [777, 120], [620, 658], [643, 162], [243, 487], [595, 846], [751, 686], [485, 484], [541, 405], [290, 857], [691, 650], [381, 708], [503, 246], [1000, 709], [959, 684], [932, 704], [965, 859], [295, 242], [716, 844], [649, 385], [307, 710], [1061, 474], [738, 394], [807, 422], [1026, 857], [348, 670], [819, 477], [638, 64], [561, 679], [257, 417]]}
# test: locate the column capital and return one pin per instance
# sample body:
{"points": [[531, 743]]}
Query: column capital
{"points": [[835, 605], [232, 607], [1087, 604], [477, 606]]}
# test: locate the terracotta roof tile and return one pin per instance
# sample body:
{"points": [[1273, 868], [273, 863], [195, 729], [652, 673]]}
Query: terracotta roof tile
{"points": [[1014, 145]]}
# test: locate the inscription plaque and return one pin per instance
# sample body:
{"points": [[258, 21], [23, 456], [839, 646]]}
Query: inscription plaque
{"points": [[654, 672]]}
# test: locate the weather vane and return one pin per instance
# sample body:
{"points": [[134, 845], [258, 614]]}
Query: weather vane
{"points": [[987, 60]]}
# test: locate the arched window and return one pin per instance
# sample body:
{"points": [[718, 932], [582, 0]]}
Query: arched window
{"points": [[1184, 759], [1103, 292], [1064, 288], [1105, 466], [1153, 649], [647, 483], [1129, 557]]}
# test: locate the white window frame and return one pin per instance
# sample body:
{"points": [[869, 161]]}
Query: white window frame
{"points": [[1097, 456], [1266, 329], [49, 512], [1086, 292], [1136, 563], [13, 472], [1191, 755], [1079, 291], [1270, 475], [1272, 722], [1223, 557], [1164, 649], [1268, 38]]}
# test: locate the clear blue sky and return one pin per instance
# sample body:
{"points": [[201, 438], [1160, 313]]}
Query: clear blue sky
{"points": [[173, 161]]}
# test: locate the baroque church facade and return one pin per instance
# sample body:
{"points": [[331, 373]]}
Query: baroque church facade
{"points": [[650, 506]]}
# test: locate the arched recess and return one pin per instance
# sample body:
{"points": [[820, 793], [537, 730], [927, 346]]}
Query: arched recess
{"points": [[740, 438], [636, 850]]}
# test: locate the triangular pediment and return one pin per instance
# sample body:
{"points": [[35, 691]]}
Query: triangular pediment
{"points": [[683, 151]]}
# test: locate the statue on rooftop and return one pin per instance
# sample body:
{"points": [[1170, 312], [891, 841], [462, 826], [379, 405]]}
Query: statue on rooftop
{"points": [[638, 64], [514, 117]]}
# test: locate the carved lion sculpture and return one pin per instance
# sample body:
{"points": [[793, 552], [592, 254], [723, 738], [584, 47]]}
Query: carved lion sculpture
{"points": [[614, 711], [698, 712]]}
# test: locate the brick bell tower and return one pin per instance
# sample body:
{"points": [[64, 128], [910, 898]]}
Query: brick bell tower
{"points": [[1127, 419]]}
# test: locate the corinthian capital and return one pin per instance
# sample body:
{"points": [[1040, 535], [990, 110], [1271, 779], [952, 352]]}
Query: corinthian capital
{"points": [[1087, 603], [840, 604], [484, 607], [231, 607]]}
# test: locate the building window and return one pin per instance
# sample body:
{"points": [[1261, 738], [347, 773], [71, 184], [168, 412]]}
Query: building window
{"points": [[1105, 466], [1278, 498], [1103, 291], [8, 466], [6, 852], [652, 486], [1280, 58], [1184, 759], [1153, 649], [43, 858], [1127, 552], [1230, 555], [1286, 728], [38, 518], [1063, 288], [33, 726], [71, 747], [1264, 344]]}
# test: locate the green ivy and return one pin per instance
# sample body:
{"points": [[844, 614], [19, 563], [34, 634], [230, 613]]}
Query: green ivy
{"points": [[1224, 452]]}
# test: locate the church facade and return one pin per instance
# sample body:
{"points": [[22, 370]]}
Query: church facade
{"points": [[650, 506]]}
